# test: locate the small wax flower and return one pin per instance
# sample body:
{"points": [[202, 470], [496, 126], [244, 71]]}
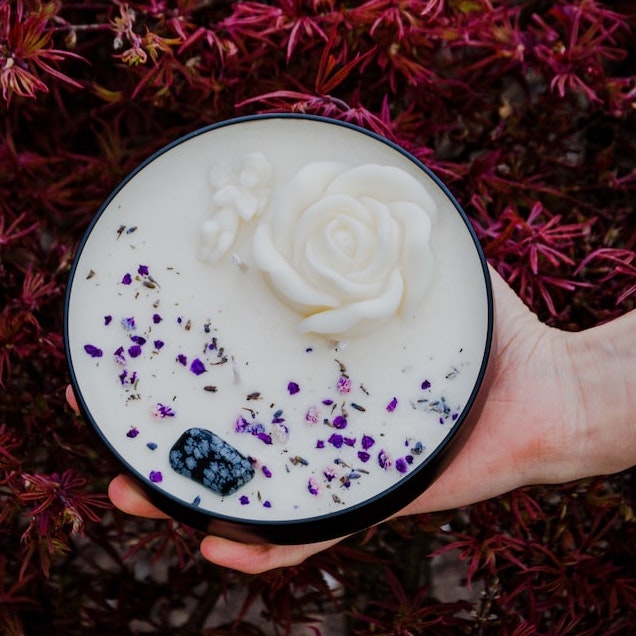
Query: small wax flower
{"points": [[155, 476]]}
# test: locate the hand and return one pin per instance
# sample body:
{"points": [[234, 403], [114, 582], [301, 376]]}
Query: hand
{"points": [[540, 424]]}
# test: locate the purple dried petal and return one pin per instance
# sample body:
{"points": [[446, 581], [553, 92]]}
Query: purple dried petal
{"points": [[156, 319], [93, 351], [313, 486], [363, 456], [320, 443], [181, 359], [107, 320], [330, 474], [162, 411], [327, 402], [128, 323], [344, 384], [293, 388], [267, 472], [244, 499], [384, 460], [264, 437], [197, 367], [127, 279], [390, 407], [367, 442], [140, 340], [267, 504], [426, 385], [158, 344], [155, 476], [336, 440], [132, 433], [350, 441], [241, 425], [340, 422], [401, 465], [143, 270], [280, 433], [134, 351]]}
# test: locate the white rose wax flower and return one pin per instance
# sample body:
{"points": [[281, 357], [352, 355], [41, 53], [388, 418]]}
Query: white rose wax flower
{"points": [[279, 325]]}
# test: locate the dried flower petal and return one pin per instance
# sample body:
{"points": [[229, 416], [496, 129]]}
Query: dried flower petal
{"points": [[293, 388], [93, 351]]}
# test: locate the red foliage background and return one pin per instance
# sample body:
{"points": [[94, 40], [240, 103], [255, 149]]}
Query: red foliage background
{"points": [[526, 109]]}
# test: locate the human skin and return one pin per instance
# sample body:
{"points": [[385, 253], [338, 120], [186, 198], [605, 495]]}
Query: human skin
{"points": [[561, 407]]}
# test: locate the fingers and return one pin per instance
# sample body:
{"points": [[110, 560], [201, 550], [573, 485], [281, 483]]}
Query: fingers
{"points": [[70, 398], [257, 558], [128, 497], [249, 558]]}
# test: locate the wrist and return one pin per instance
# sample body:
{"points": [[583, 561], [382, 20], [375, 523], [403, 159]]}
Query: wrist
{"points": [[603, 362]]}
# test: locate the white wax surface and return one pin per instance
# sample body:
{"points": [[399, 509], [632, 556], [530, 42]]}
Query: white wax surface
{"points": [[155, 221]]}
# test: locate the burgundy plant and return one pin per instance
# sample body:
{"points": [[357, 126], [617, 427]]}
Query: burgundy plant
{"points": [[525, 109]]}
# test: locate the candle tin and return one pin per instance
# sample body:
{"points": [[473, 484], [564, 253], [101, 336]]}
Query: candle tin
{"points": [[280, 325]]}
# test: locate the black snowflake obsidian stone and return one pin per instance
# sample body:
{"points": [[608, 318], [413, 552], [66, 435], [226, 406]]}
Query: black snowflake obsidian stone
{"points": [[205, 458]]}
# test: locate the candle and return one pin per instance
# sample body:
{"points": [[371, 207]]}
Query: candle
{"points": [[278, 325]]}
